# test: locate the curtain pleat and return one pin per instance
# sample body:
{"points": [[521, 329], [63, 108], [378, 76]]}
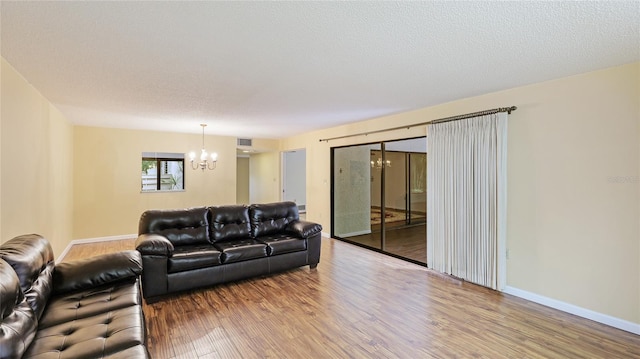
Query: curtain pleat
{"points": [[466, 199]]}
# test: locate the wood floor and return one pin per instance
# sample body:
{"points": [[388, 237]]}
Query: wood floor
{"points": [[363, 304]]}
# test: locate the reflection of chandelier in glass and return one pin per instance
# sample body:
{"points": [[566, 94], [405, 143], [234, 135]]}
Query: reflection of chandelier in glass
{"points": [[378, 163]]}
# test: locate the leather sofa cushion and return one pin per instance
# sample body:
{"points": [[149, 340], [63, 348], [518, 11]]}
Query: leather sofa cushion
{"points": [[17, 319], [90, 302], [95, 271], [193, 257], [241, 250], [96, 336], [179, 226], [271, 218], [282, 243], [229, 223], [31, 257]]}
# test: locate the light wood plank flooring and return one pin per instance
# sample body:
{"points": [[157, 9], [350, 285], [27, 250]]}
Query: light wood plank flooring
{"points": [[363, 304]]}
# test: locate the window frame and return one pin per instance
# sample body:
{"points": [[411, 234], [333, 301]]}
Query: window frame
{"points": [[159, 158]]}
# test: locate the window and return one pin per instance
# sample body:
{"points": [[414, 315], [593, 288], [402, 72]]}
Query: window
{"points": [[162, 172]]}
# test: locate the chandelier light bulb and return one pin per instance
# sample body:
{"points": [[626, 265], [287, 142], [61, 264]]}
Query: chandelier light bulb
{"points": [[379, 163], [204, 163]]}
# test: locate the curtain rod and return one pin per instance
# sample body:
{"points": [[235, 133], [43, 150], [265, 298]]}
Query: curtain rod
{"points": [[432, 122]]}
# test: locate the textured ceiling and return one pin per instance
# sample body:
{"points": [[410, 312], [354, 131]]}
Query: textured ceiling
{"points": [[274, 69]]}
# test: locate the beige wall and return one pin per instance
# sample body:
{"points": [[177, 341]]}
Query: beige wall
{"points": [[242, 180], [265, 145], [264, 177], [573, 224], [265, 171], [36, 155], [107, 197]]}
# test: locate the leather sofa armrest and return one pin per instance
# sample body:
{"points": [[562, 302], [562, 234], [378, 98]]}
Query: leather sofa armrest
{"points": [[154, 245], [303, 229], [156, 250], [95, 271]]}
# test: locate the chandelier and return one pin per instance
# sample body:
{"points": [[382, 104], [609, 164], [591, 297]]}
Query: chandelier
{"points": [[205, 161], [378, 163]]}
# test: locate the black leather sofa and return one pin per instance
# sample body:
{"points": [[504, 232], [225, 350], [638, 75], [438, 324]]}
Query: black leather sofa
{"points": [[196, 247], [82, 309]]}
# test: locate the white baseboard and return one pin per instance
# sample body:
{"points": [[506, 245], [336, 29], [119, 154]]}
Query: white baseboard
{"points": [[93, 240], [325, 234], [575, 310]]}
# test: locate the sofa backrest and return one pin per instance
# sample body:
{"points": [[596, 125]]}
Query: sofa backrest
{"points": [[271, 218], [179, 226], [17, 320], [229, 222], [31, 257]]}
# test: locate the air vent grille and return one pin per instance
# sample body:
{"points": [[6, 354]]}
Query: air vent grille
{"points": [[244, 142]]}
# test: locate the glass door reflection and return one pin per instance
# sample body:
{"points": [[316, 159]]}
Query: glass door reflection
{"points": [[379, 196], [405, 231]]}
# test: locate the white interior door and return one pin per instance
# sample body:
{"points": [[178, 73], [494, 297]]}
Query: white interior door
{"points": [[294, 177]]}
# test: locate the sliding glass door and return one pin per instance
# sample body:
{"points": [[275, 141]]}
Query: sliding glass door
{"points": [[352, 188], [379, 197]]}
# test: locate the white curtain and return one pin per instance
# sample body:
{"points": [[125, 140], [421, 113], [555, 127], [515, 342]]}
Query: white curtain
{"points": [[466, 199]]}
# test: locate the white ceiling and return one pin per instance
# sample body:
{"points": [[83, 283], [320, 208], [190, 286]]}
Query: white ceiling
{"points": [[275, 69]]}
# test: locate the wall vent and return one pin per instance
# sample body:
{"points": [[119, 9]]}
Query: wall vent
{"points": [[244, 142]]}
